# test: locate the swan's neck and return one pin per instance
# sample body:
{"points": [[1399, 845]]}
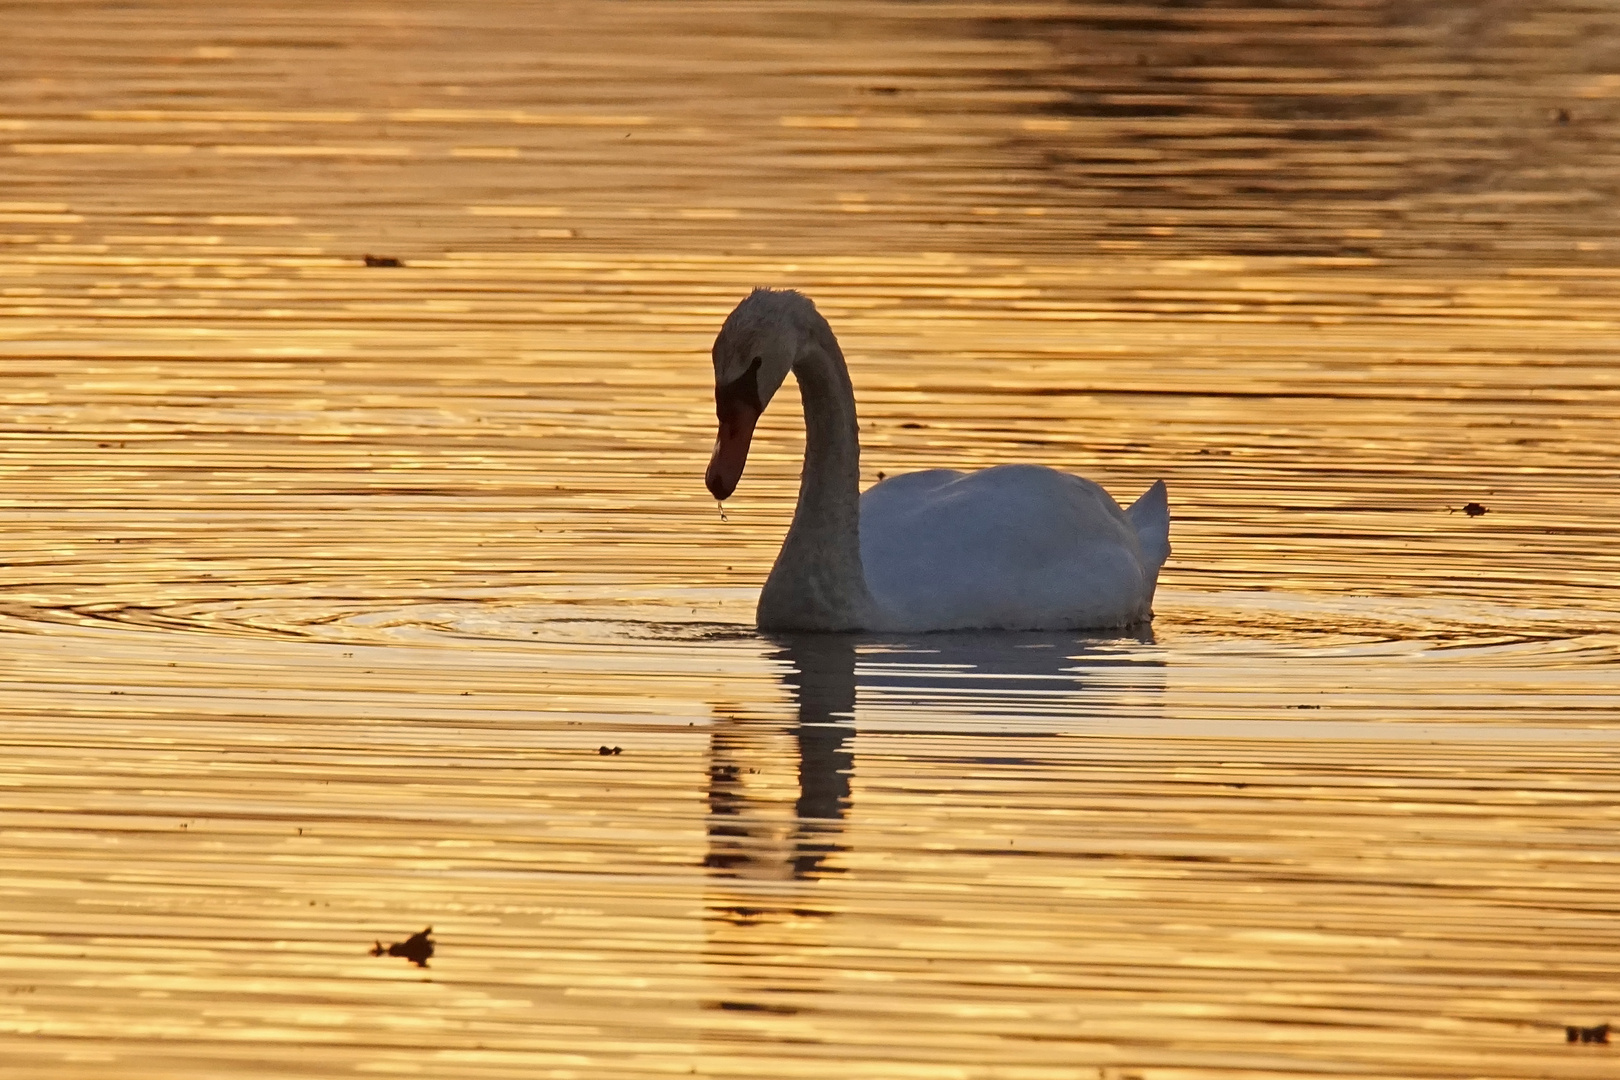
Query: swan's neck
{"points": [[818, 582]]}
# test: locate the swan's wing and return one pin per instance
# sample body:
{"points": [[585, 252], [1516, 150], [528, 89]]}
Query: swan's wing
{"points": [[898, 492], [1016, 546]]}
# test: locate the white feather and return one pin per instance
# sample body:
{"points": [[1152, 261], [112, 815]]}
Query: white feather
{"points": [[1016, 547]]}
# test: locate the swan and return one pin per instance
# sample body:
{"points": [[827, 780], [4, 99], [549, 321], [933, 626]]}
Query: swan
{"points": [[1014, 547]]}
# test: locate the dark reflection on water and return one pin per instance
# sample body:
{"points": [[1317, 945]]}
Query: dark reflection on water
{"points": [[821, 677], [1390, 129], [775, 829], [997, 674], [957, 677], [823, 683]]}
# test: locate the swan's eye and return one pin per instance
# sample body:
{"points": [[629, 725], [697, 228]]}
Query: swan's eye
{"points": [[743, 391]]}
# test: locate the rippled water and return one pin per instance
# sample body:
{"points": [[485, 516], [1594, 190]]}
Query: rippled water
{"points": [[324, 587]]}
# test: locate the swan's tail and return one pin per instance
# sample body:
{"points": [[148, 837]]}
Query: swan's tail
{"points": [[1150, 515]]}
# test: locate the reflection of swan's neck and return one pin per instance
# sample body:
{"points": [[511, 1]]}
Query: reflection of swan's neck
{"points": [[817, 582]]}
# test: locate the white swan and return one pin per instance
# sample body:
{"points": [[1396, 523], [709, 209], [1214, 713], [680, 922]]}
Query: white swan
{"points": [[1019, 547]]}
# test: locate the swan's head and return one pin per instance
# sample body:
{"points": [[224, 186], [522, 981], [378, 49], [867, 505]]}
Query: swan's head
{"points": [[756, 348]]}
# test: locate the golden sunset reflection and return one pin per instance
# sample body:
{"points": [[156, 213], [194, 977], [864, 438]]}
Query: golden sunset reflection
{"points": [[357, 399]]}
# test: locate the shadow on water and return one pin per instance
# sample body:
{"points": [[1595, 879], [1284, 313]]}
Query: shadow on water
{"points": [[780, 792]]}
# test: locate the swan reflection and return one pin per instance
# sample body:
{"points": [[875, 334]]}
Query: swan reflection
{"points": [[779, 792], [1031, 678], [781, 788], [752, 832]]}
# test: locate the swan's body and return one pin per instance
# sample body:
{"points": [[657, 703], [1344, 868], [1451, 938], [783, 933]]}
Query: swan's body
{"points": [[1014, 547]]}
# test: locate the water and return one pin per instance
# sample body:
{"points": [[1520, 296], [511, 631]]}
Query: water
{"points": [[324, 586]]}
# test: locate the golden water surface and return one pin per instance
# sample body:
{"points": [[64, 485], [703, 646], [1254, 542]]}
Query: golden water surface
{"points": [[323, 586]]}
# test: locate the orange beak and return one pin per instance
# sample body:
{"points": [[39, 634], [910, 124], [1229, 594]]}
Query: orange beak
{"points": [[738, 407], [730, 454]]}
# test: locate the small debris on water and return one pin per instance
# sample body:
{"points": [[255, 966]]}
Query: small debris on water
{"points": [[605, 751], [416, 948], [1560, 116], [913, 424], [755, 1007], [1576, 1033], [1475, 509], [722, 508], [382, 260], [880, 478]]}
